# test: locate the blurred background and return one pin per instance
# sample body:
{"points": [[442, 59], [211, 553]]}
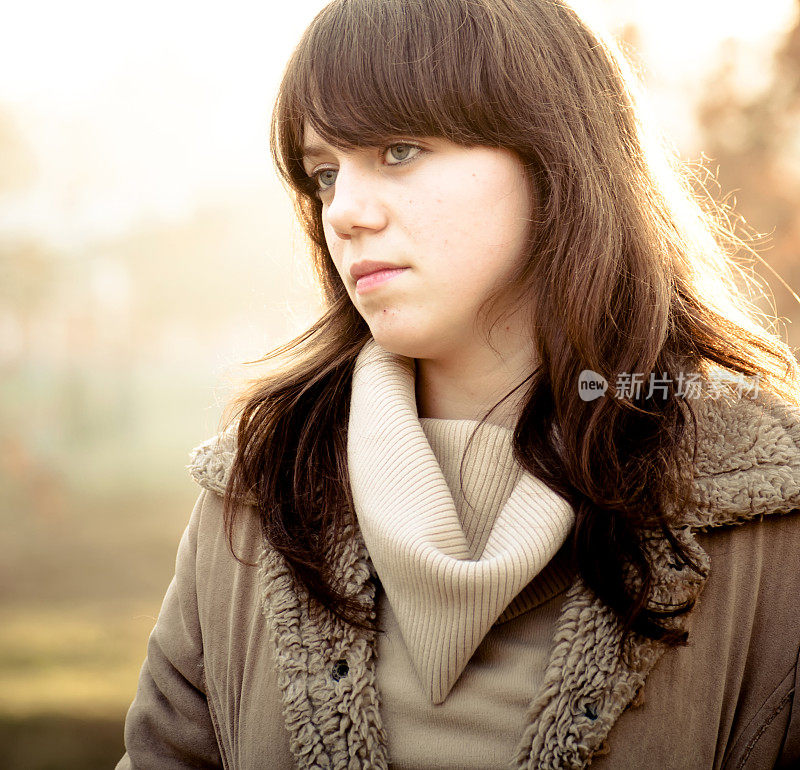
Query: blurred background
{"points": [[147, 250]]}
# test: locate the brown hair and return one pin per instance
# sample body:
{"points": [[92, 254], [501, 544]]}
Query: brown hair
{"points": [[629, 270]]}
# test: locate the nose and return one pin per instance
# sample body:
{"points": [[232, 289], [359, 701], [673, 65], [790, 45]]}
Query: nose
{"points": [[356, 204]]}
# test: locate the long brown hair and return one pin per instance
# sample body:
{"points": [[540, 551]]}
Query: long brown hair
{"points": [[630, 270]]}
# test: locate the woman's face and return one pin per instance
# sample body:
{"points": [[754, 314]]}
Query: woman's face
{"points": [[450, 221]]}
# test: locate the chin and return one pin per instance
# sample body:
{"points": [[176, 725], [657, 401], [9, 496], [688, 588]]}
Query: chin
{"points": [[410, 343], [399, 348]]}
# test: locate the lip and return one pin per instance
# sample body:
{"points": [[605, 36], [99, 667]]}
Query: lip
{"points": [[378, 277], [360, 269]]}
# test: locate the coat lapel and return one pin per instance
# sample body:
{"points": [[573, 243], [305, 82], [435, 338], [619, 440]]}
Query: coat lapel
{"points": [[588, 683], [326, 668], [747, 465]]}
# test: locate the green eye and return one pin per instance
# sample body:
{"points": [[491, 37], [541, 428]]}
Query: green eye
{"points": [[325, 178], [402, 152]]}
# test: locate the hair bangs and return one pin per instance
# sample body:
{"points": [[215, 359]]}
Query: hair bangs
{"points": [[355, 91]]}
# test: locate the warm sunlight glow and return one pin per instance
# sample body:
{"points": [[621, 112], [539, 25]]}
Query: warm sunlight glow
{"points": [[144, 109], [147, 251]]}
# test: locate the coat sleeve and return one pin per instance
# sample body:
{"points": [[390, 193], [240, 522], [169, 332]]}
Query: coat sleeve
{"points": [[169, 724], [790, 754]]}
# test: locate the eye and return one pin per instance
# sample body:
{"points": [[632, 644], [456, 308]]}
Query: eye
{"points": [[394, 154], [402, 152], [324, 178]]}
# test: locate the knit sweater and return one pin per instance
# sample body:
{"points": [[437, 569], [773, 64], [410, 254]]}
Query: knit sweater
{"points": [[449, 570], [509, 662]]}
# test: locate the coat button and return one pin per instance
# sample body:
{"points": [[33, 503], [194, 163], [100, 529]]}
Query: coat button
{"points": [[340, 670]]}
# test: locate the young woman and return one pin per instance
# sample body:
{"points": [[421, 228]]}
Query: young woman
{"points": [[526, 494]]}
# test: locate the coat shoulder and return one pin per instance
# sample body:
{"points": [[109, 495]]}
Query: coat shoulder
{"points": [[211, 461], [737, 432], [747, 462]]}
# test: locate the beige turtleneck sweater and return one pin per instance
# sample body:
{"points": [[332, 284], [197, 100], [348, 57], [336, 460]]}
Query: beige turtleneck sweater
{"points": [[471, 590], [479, 724]]}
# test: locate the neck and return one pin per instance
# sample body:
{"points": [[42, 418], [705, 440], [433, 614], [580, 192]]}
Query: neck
{"points": [[466, 385]]}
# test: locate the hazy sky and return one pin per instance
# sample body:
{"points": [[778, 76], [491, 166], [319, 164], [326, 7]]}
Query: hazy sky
{"points": [[146, 108]]}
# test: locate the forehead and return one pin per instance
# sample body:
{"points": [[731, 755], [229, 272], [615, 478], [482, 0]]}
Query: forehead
{"points": [[313, 145]]}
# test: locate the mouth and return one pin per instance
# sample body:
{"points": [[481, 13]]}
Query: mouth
{"points": [[377, 278], [367, 266]]}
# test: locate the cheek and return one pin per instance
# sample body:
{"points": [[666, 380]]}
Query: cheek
{"points": [[327, 231], [488, 205], [505, 211], [334, 248], [480, 230]]}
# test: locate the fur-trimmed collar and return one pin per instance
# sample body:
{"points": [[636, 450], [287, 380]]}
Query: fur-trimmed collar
{"points": [[747, 462]]}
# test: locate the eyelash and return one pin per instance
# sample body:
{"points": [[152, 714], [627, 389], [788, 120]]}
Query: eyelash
{"points": [[314, 175]]}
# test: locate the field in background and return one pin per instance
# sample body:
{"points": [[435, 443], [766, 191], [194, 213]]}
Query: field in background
{"points": [[84, 570]]}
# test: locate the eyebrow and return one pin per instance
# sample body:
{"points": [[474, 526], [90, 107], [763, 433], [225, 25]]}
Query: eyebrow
{"points": [[312, 151]]}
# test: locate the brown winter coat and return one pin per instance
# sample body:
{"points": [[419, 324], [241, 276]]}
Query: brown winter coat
{"points": [[238, 675]]}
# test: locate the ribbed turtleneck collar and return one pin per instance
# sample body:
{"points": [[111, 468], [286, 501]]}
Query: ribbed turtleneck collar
{"points": [[481, 472], [450, 564]]}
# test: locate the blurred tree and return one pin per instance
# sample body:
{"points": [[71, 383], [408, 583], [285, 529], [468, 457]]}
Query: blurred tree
{"points": [[754, 137], [27, 279], [17, 166]]}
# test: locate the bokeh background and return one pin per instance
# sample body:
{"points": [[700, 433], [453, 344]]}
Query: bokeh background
{"points": [[147, 250]]}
